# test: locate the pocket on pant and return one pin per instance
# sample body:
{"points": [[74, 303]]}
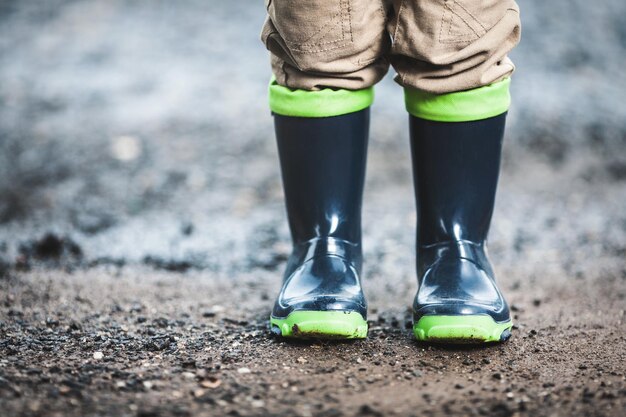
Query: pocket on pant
{"points": [[437, 27], [459, 24], [442, 46], [464, 21], [311, 26]]}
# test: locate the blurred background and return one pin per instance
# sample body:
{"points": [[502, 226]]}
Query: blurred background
{"points": [[138, 132], [143, 232]]}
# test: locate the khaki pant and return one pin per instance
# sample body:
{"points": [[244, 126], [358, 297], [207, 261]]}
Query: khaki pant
{"points": [[436, 46]]}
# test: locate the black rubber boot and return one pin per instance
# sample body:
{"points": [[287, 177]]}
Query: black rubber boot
{"points": [[323, 169], [455, 170]]}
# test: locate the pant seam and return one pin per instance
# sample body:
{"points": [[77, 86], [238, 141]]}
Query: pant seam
{"points": [[464, 40], [381, 8], [320, 50], [349, 20], [395, 32], [305, 44], [459, 39], [367, 61], [469, 13], [304, 47], [285, 75]]}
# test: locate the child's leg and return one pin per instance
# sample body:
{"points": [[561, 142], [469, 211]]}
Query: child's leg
{"points": [[326, 55], [326, 43], [444, 46], [451, 58]]}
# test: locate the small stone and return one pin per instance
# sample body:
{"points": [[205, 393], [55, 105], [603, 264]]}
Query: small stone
{"points": [[497, 376], [257, 403], [244, 370], [211, 384], [301, 360], [125, 148], [98, 355], [367, 410], [213, 311]]}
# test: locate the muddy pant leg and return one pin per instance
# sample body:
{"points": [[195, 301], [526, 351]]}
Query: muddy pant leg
{"points": [[315, 44]]}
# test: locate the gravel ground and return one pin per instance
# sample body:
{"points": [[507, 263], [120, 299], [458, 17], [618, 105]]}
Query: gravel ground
{"points": [[142, 230]]}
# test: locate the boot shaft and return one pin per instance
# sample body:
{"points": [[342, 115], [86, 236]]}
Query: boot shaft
{"points": [[323, 170], [455, 172]]}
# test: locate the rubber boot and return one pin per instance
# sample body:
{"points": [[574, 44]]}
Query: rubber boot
{"points": [[323, 169], [455, 170]]}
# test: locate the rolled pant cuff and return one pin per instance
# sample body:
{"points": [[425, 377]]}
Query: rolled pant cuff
{"points": [[463, 106], [320, 103]]}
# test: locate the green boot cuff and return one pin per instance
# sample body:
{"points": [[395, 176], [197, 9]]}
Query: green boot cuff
{"points": [[463, 106], [322, 103]]}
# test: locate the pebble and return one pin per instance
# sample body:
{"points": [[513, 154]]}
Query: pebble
{"points": [[98, 355], [125, 148], [244, 370], [211, 384]]}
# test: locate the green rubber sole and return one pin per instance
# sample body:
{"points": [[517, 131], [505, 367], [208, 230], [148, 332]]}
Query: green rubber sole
{"points": [[321, 325], [461, 329]]}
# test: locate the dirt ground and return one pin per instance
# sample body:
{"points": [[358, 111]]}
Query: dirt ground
{"points": [[143, 234]]}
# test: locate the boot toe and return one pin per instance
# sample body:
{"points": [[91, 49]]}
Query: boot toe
{"points": [[321, 298], [458, 302]]}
